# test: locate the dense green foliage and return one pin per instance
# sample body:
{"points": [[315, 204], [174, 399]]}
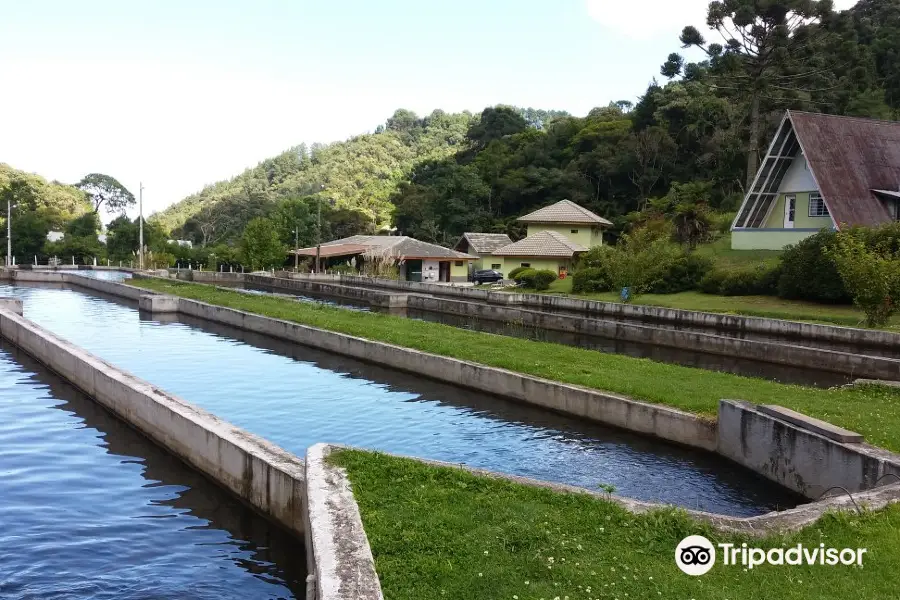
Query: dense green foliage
{"points": [[261, 247], [39, 207], [869, 265], [808, 273], [442, 532]]}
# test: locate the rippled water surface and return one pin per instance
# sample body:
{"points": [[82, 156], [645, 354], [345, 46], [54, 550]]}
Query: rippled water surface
{"points": [[91, 509], [296, 396]]}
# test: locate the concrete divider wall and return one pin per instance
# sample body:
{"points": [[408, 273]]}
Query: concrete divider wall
{"points": [[772, 352], [797, 457], [615, 310], [339, 558], [659, 421], [262, 474]]}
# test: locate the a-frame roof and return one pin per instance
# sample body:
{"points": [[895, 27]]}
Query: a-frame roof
{"points": [[564, 211], [848, 157]]}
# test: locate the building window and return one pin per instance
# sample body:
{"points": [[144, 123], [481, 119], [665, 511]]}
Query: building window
{"points": [[495, 266], [459, 263], [817, 206], [573, 231], [526, 265]]}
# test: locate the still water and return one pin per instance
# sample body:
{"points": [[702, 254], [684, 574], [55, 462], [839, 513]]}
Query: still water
{"points": [[297, 396], [91, 509]]}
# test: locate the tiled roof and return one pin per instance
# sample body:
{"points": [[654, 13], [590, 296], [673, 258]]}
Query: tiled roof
{"points": [[564, 211], [542, 243], [399, 246], [849, 157], [485, 243]]}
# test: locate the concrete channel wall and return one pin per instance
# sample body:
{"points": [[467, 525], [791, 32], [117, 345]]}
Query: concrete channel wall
{"points": [[666, 423], [803, 454], [265, 476], [614, 310], [860, 365], [774, 352]]}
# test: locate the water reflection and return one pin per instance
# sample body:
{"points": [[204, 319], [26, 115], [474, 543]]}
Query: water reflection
{"points": [[91, 508]]}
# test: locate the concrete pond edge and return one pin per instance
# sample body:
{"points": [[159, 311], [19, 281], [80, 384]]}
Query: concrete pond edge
{"points": [[340, 561], [312, 498]]}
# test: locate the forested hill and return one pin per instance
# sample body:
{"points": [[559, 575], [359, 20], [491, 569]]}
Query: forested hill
{"points": [[705, 124], [52, 203]]}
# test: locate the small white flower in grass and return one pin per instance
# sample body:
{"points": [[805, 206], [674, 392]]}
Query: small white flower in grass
{"points": [[485, 552], [579, 547], [479, 574], [515, 597], [527, 583]]}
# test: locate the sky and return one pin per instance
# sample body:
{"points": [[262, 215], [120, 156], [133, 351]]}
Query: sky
{"points": [[178, 94]]}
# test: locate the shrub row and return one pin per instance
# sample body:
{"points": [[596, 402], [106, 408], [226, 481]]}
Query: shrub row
{"points": [[538, 279]]}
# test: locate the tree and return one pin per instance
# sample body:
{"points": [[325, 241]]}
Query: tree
{"points": [[766, 61], [260, 246], [495, 123], [103, 189], [291, 214], [87, 225], [871, 275]]}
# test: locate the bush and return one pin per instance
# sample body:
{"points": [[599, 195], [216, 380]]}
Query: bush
{"points": [[711, 283], [761, 280], [870, 273], [512, 274], [591, 280], [525, 277], [342, 269], [542, 279], [684, 274], [809, 272]]}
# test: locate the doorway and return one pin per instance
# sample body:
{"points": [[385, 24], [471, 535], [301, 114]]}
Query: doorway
{"points": [[790, 210], [443, 271]]}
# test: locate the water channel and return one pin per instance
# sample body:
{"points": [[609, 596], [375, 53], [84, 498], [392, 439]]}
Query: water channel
{"points": [[296, 396], [89, 508], [689, 358]]}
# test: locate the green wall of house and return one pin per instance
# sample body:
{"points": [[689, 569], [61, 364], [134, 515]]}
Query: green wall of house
{"points": [[802, 220], [767, 239], [585, 235], [459, 270]]}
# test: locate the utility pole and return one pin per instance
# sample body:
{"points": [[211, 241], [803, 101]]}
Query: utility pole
{"points": [[319, 234], [141, 225], [296, 248], [8, 232]]}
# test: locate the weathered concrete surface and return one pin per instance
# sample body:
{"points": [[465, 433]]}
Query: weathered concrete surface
{"points": [[579, 320], [264, 475], [614, 310], [832, 432], [339, 558], [763, 351], [13, 305], [303, 286], [156, 303], [795, 457]]}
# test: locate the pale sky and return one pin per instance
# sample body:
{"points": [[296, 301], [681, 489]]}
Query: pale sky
{"points": [[180, 94]]}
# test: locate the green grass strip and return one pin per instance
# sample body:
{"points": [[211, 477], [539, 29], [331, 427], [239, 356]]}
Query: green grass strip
{"points": [[438, 532], [873, 411]]}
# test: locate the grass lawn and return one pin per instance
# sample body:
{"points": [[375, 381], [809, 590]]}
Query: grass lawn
{"points": [[873, 411], [444, 533], [754, 306]]}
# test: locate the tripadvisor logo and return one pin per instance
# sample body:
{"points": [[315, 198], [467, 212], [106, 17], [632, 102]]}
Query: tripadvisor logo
{"points": [[696, 555]]}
